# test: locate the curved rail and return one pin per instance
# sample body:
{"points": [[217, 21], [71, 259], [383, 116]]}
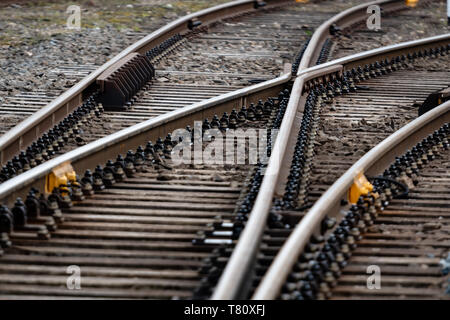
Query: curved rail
{"points": [[373, 162], [120, 142], [31, 128], [90, 155], [342, 20], [243, 256]]}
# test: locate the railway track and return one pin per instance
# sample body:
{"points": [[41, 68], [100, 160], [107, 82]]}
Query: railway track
{"points": [[347, 128], [155, 230], [404, 237], [135, 238], [153, 240], [351, 126], [205, 62], [354, 123], [395, 27], [257, 47], [408, 242], [359, 124]]}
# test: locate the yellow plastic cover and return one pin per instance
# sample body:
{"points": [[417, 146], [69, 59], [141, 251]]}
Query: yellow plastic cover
{"points": [[360, 187], [59, 176]]}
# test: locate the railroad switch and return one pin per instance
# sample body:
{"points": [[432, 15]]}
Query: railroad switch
{"points": [[360, 187]]}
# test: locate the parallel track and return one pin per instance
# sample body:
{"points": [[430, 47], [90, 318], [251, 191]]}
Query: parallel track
{"points": [[133, 240]]}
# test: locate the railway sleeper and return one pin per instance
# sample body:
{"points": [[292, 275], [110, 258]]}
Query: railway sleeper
{"points": [[33, 216], [320, 266]]}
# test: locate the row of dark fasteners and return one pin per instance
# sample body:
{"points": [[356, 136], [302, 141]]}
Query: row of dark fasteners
{"points": [[296, 193], [325, 51], [47, 146], [166, 47], [224, 234], [298, 59], [40, 214], [297, 185]]}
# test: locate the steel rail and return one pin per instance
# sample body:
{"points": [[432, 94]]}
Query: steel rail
{"points": [[120, 142], [373, 162], [386, 52], [344, 19], [88, 156], [34, 126], [239, 265]]}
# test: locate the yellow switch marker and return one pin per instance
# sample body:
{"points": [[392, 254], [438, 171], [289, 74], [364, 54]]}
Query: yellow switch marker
{"points": [[360, 187], [60, 175]]}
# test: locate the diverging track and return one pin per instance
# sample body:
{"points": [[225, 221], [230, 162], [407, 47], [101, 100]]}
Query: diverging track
{"points": [[142, 227], [228, 47], [293, 176]]}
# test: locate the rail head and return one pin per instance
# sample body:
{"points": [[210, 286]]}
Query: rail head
{"points": [[375, 161], [241, 258], [32, 127]]}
